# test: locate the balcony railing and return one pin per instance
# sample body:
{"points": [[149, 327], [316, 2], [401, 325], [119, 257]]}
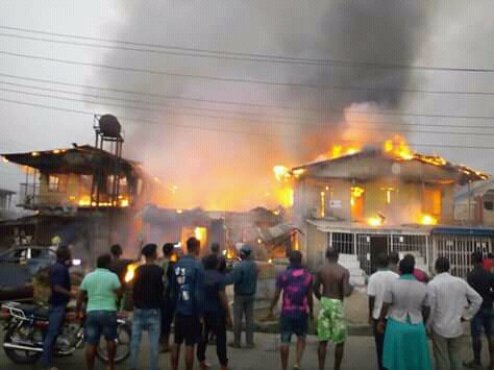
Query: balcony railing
{"points": [[30, 197]]}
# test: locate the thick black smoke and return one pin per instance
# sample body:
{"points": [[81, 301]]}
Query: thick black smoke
{"points": [[300, 121]]}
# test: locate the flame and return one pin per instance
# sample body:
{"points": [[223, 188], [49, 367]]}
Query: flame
{"points": [[338, 151], [281, 173], [428, 220], [84, 201], [377, 220], [355, 192], [124, 202], [130, 273], [284, 194], [398, 147], [200, 234]]}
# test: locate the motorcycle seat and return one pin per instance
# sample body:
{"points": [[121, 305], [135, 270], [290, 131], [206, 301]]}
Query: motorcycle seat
{"points": [[32, 310]]}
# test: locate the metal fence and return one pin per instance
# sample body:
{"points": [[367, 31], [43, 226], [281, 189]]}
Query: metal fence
{"points": [[458, 249], [426, 248]]}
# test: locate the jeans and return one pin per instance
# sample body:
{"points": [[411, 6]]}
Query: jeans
{"points": [[150, 321], [243, 304], [379, 339], [56, 315], [214, 323], [167, 313], [447, 352]]}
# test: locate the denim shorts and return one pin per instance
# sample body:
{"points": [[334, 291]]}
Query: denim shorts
{"points": [[100, 323], [295, 325]]}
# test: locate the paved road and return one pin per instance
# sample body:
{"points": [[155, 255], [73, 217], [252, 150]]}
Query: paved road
{"points": [[359, 354]]}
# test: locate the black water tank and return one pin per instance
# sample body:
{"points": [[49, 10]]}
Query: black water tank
{"points": [[109, 126]]}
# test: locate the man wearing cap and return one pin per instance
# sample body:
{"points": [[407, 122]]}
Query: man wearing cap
{"points": [[244, 278]]}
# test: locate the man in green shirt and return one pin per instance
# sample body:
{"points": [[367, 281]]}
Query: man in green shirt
{"points": [[100, 289]]}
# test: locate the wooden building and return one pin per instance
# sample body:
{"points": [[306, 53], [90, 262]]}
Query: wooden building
{"points": [[374, 201]]}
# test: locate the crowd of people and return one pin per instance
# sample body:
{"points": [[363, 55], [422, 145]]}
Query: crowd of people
{"points": [[406, 307], [405, 310], [185, 291]]}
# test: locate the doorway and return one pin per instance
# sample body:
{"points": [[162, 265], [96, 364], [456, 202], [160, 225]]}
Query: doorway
{"points": [[378, 245]]}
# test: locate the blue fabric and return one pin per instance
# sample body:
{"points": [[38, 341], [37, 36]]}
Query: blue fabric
{"points": [[100, 323], [244, 278], [56, 315], [214, 282], [59, 275], [150, 321], [292, 325], [405, 347], [188, 287], [482, 319]]}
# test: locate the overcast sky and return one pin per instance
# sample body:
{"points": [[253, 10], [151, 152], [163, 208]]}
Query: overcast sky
{"points": [[186, 141]]}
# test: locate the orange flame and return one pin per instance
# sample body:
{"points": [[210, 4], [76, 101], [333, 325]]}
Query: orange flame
{"points": [[398, 147], [130, 273], [428, 220]]}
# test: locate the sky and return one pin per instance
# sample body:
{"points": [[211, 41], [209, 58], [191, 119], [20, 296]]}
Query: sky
{"points": [[214, 122]]}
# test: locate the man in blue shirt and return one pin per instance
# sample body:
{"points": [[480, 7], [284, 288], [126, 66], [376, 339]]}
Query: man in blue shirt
{"points": [[188, 293], [60, 296], [216, 312], [244, 278]]}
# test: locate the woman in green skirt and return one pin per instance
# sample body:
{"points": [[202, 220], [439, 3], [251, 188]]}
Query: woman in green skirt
{"points": [[402, 317]]}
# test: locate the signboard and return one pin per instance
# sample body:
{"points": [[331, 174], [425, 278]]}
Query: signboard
{"points": [[335, 203]]}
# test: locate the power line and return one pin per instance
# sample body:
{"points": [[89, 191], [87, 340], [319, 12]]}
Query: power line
{"points": [[240, 115], [482, 134], [247, 104], [266, 136], [242, 80], [223, 54]]}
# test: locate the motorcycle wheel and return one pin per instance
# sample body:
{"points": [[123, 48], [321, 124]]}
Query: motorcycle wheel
{"points": [[16, 355], [123, 345]]}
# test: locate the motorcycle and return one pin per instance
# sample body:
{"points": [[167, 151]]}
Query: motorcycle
{"points": [[25, 324]]}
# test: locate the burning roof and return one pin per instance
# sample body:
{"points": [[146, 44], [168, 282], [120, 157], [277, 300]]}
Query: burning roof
{"points": [[393, 159], [79, 159]]}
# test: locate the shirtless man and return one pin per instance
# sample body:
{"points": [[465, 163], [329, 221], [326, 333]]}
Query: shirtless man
{"points": [[334, 279]]}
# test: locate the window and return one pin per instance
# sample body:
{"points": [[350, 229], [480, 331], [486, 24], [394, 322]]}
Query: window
{"points": [[432, 201], [488, 200], [57, 183], [53, 183]]}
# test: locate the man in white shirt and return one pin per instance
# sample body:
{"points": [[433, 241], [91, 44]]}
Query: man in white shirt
{"points": [[451, 301], [378, 283]]}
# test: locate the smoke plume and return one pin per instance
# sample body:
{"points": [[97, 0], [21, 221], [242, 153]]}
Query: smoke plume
{"points": [[226, 161]]}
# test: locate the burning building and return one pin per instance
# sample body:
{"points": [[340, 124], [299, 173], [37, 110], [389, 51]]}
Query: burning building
{"points": [[83, 195], [377, 199]]}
